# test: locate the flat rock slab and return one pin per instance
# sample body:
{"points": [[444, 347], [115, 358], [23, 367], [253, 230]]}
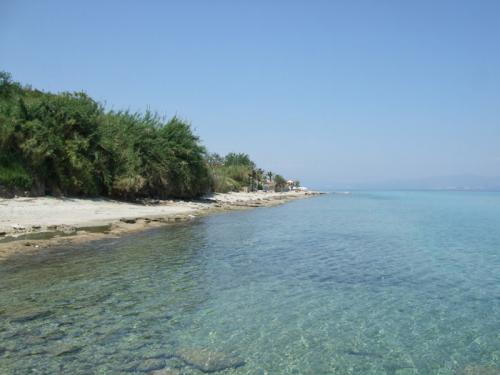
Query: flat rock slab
{"points": [[127, 220], [66, 349], [209, 361]]}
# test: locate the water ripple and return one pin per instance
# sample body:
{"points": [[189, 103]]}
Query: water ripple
{"points": [[373, 283]]}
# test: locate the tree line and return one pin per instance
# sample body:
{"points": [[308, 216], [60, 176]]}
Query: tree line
{"points": [[69, 144]]}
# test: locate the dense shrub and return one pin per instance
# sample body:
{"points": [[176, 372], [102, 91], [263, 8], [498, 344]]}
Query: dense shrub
{"points": [[279, 183], [14, 175], [67, 143], [235, 171], [230, 173], [59, 141], [224, 184]]}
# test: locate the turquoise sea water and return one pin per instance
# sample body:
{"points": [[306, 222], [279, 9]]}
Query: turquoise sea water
{"points": [[371, 283]]}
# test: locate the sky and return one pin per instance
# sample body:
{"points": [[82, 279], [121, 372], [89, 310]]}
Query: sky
{"points": [[333, 93]]}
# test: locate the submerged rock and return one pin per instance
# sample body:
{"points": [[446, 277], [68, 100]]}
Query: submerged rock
{"points": [[159, 353], [34, 340], [28, 315], [478, 370], [209, 361], [166, 371], [66, 349], [53, 335], [34, 351], [130, 366], [151, 365]]}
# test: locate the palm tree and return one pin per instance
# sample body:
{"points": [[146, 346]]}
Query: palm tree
{"points": [[270, 175], [260, 174]]}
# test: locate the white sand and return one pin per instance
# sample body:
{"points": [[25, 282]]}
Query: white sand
{"points": [[19, 215]]}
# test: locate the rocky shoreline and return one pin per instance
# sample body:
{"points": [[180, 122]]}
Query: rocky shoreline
{"points": [[29, 224]]}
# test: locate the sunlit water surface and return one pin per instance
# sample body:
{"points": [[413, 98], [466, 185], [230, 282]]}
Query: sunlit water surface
{"points": [[371, 283]]}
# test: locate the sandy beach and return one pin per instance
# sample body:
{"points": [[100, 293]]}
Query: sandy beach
{"points": [[39, 222]]}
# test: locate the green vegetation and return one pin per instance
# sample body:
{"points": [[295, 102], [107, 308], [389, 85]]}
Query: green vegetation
{"points": [[280, 183], [232, 172], [69, 144]]}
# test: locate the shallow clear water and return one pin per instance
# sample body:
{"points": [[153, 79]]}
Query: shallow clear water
{"points": [[372, 283]]}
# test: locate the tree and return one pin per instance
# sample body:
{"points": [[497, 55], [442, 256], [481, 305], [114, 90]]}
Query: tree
{"points": [[259, 176], [270, 175], [144, 156], [58, 140], [214, 160], [68, 143], [279, 183], [236, 171], [238, 159], [186, 167]]}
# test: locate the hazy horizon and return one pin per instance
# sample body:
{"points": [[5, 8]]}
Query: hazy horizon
{"points": [[455, 182], [334, 94]]}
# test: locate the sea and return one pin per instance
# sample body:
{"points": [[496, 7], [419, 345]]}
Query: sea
{"points": [[394, 283]]}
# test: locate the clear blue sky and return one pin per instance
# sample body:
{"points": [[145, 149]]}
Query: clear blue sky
{"points": [[326, 91]]}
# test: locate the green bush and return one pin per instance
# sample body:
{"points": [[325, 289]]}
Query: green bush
{"points": [[68, 143], [230, 173], [142, 155], [222, 183], [58, 140], [13, 175]]}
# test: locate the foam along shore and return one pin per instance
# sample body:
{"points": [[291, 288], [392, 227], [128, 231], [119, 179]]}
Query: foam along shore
{"points": [[45, 221]]}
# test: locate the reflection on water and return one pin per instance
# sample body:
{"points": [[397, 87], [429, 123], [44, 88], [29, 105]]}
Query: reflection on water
{"points": [[379, 283]]}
